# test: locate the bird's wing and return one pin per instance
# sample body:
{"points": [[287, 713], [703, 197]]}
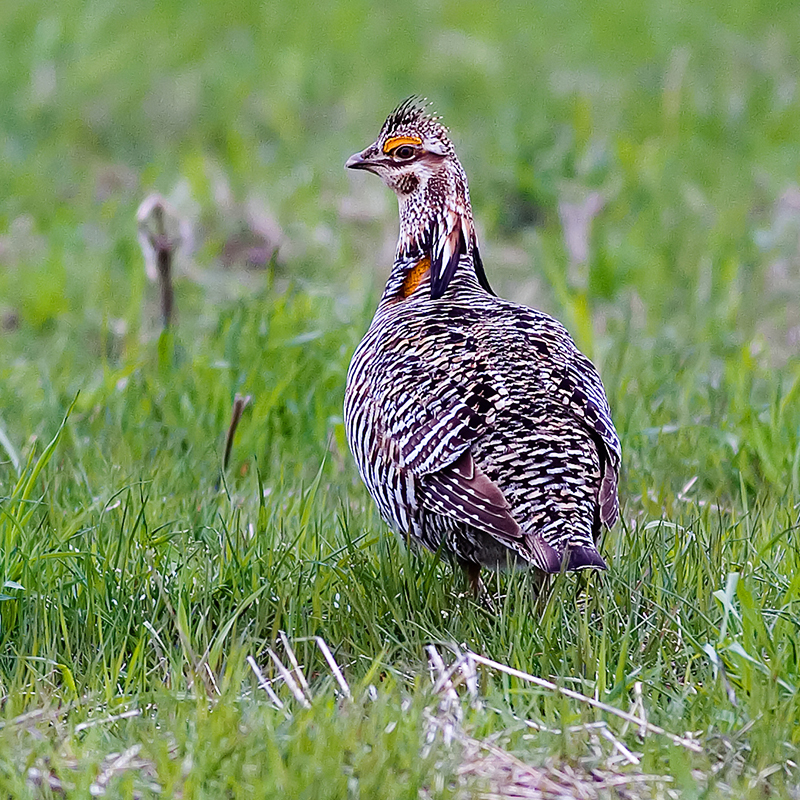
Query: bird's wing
{"points": [[581, 389], [445, 425], [437, 449], [568, 376], [464, 492]]}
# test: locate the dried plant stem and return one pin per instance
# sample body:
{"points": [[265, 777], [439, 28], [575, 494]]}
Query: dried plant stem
{"points": [[164, 264], [239, 405], [689, 744]]}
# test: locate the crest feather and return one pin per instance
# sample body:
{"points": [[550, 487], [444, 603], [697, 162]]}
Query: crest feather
{"points": [[412, 109], [417, 113]]}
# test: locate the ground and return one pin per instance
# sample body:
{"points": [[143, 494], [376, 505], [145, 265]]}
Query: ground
{"points": [[634, 168]]}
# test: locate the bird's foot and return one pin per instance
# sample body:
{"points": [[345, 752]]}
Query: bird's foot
{"points": [[477, 588]]}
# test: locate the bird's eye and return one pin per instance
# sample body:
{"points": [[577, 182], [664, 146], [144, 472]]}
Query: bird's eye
{"points": [[404, 152]]}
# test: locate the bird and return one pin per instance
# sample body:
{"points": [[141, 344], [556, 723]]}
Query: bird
{"points": [[480, 430]]}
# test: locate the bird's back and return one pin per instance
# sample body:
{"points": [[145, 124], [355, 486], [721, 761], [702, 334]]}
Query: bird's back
{"points": [[471, 371]]}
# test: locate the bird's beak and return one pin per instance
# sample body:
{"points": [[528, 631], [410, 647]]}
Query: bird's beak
{"points": [[360, 161]]}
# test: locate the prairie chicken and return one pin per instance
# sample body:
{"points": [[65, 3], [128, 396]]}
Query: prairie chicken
{"points": [[478, 427]]}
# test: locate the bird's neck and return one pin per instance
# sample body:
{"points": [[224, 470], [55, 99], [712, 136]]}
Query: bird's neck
{"points": [[411, 277], [435, 226]]}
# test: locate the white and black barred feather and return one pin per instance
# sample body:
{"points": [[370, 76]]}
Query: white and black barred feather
{"points": [[476, 424]]}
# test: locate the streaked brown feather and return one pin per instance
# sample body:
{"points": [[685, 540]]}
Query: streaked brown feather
{"points": [[464, 492], [476, 424]]}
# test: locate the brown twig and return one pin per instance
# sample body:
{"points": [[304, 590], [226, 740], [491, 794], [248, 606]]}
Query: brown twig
{"points": [[164, 264], [159, 237], [239, 405]]}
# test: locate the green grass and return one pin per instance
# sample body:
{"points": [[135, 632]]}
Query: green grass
{"points": [[138, 578]]}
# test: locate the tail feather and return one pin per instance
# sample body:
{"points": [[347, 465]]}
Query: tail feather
{"points": [[580, 557]]}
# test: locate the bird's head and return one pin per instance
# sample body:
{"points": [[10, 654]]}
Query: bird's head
{"points": [[411, 149], [415, 158]]}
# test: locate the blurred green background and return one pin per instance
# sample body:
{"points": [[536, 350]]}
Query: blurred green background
{"points": [[683, 115]]}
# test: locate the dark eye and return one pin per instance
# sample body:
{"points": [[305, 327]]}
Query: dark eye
{"points": [[404, 152]]}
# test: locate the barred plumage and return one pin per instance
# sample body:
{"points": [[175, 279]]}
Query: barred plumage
{"points": [[476, 424]]}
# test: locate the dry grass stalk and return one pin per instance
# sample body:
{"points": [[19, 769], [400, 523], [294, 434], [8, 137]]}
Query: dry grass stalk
{"points": [[265, 684], [689, 744], [487, 771], [240, 403], [159, 237], [299, 688]]}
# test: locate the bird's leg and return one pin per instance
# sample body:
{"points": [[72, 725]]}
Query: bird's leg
{"points": [[473, 574], [541, 587], [480, 594], [539, 582]]}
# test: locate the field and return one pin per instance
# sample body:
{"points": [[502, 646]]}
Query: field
{"points": [[634, 168]]}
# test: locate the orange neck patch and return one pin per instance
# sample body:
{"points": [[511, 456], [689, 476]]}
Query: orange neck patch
{"points": [[398, 141], [414, 277]]}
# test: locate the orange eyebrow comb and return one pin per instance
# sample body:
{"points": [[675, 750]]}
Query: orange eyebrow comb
{"points": [[397, 141]]}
